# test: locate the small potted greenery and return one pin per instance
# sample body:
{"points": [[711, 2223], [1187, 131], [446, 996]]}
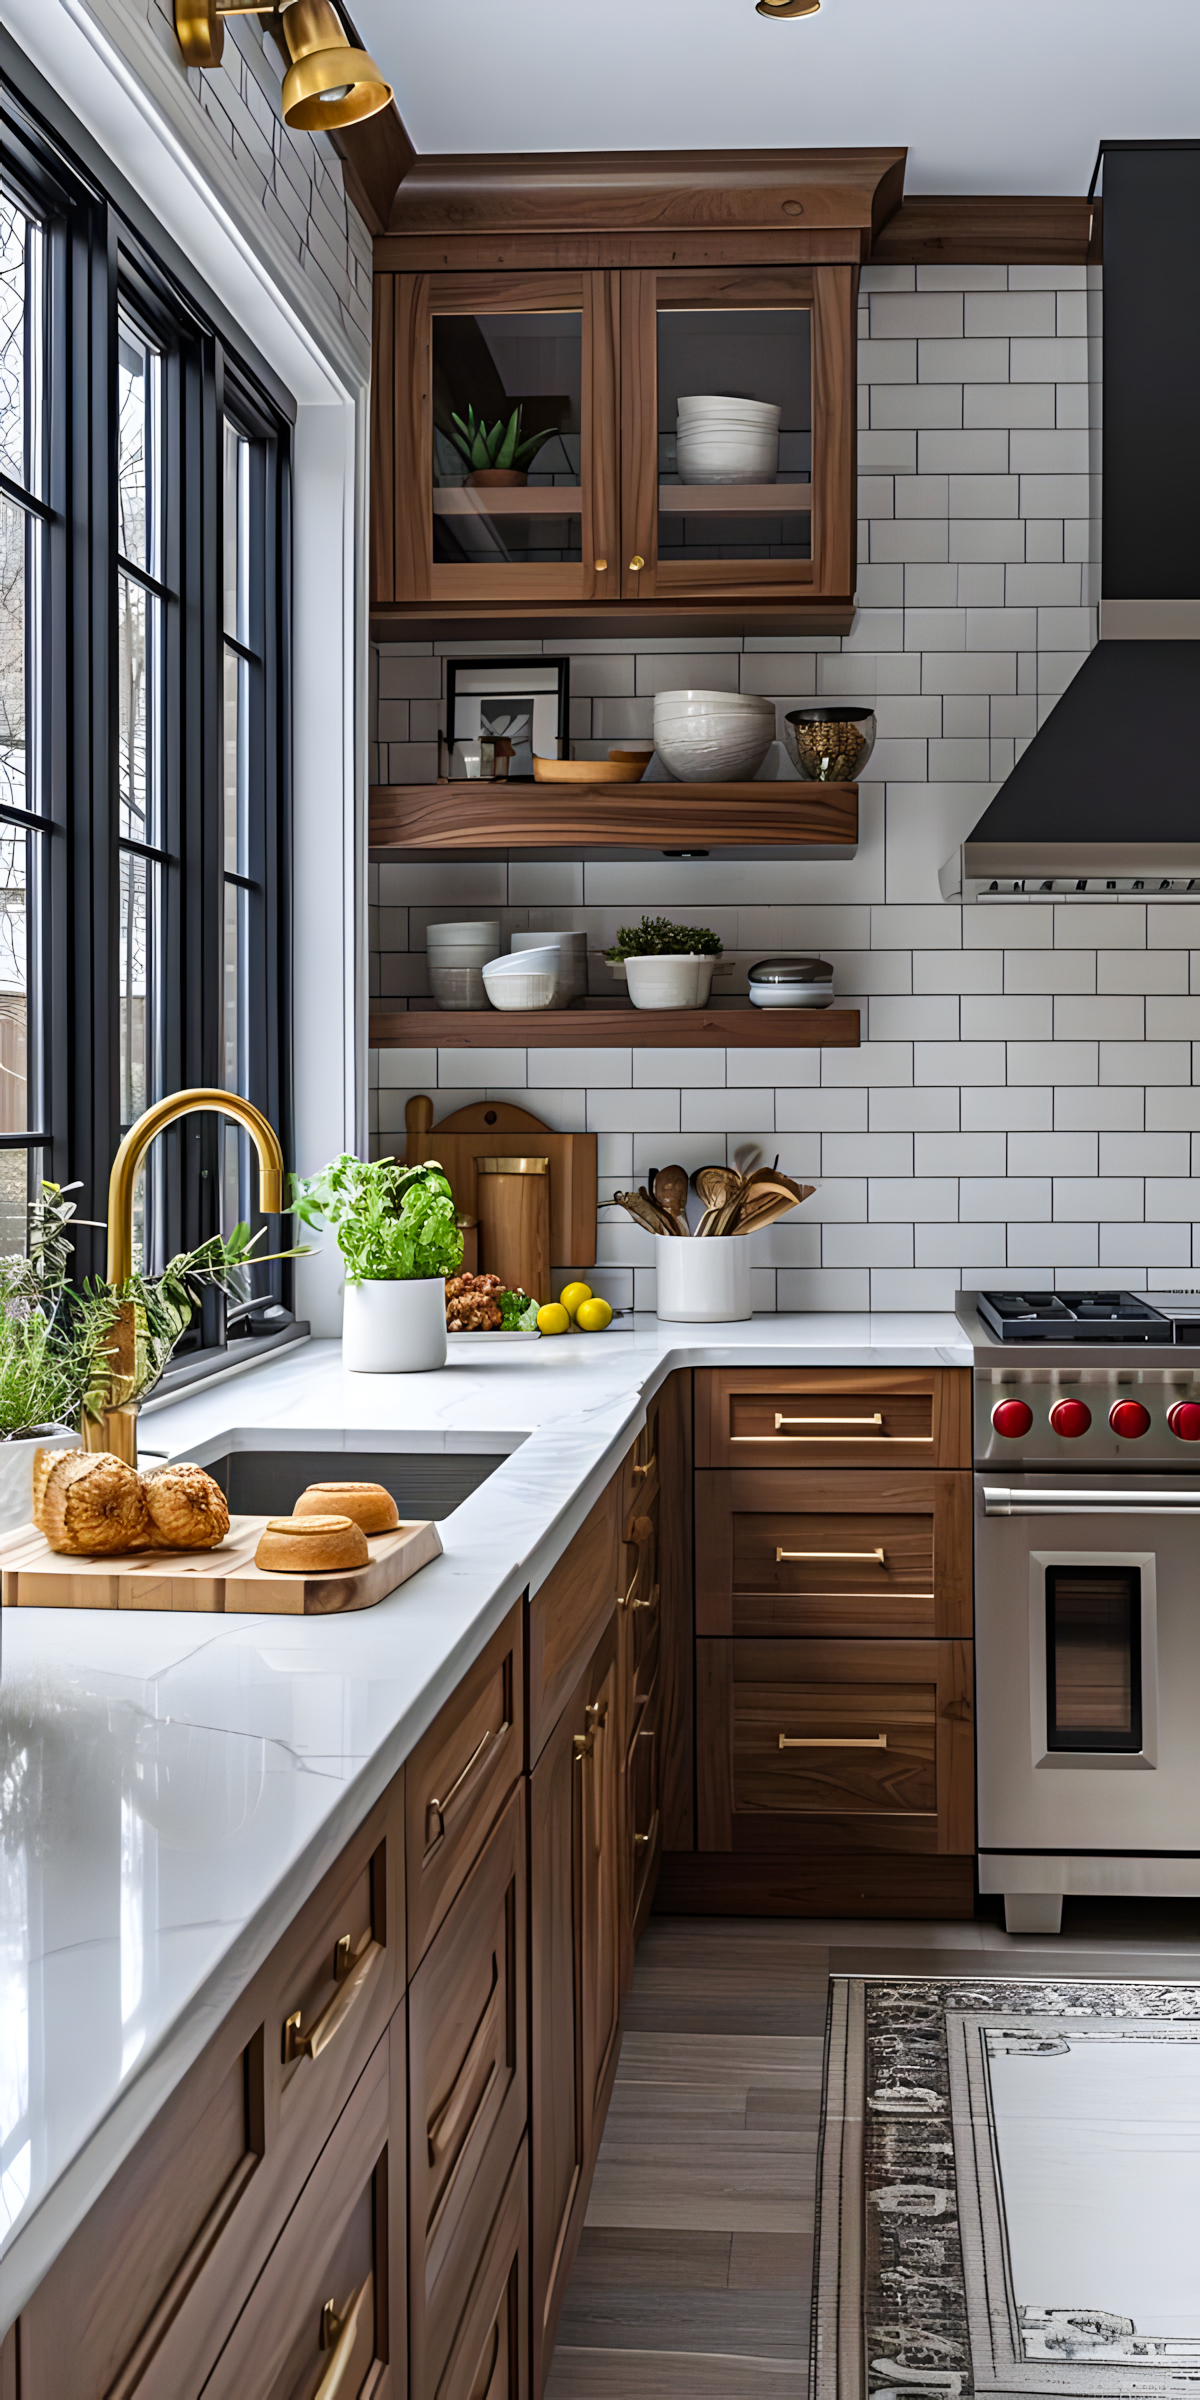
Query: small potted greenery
{"points": [[495, 454], [666, 965], [395, 1227]]}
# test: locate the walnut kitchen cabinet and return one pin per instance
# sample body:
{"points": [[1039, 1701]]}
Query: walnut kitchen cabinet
{"points": [[597, 292]]}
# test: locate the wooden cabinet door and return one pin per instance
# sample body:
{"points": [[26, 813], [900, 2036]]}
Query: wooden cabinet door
{"points": [[847, 1552], [859, 1744], [784, 335], [447, 344], [574, 1886]]}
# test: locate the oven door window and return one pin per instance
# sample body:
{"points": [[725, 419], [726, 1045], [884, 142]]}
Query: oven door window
{"points": [[1094, 1658]]}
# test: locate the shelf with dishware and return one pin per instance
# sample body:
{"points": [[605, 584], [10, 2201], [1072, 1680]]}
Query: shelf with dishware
{"points": [[609, 1024], [733, 499], [414, 820]]}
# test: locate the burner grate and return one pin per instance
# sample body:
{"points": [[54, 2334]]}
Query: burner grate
{"points": [[1073, 1316]]}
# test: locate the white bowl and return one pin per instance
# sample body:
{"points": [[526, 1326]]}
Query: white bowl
{"points": [[790, 995], [571, 951], [543, 960], [456, 986], [679, 704], [715, 749], [702, 405], [468, 935], [672, 979], [522, 986]]}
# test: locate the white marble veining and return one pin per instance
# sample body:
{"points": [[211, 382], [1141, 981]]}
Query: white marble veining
{"points": [[172, 1788]]}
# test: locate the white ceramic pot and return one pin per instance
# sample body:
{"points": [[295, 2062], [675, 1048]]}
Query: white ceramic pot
{"points": [[673, 980], [395, 1328], [703, 1283], [16, 1471]]}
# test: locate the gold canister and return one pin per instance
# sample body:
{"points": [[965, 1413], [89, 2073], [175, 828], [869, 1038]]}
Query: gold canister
{"points": [[512, 1196]]}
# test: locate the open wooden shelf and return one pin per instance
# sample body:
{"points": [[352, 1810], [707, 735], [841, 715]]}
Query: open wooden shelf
{"points": [[678, 818], [608, 1024]]}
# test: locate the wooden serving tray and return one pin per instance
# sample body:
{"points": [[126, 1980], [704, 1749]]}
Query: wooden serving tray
{"points": [[221, 1581]]}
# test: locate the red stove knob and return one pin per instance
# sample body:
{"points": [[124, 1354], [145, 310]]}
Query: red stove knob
{"points": [[1012, 1418], [1184, 1420], [1070, 1418], [1129, 1419]]}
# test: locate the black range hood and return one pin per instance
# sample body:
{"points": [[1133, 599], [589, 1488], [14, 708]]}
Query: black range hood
{"points": [[1105, 802]]}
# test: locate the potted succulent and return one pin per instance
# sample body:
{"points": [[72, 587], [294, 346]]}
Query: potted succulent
{"points": [[395, 1227], [666, 965], [495, 454]]}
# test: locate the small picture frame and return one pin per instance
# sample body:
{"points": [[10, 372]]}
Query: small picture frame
{"points": [[524, 700]]}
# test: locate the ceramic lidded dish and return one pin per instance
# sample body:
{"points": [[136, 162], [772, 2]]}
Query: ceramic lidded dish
{"points": [[790, 983]]}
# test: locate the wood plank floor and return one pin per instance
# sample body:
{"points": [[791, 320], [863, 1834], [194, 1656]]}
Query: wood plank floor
{"points": [[694, 2274]]}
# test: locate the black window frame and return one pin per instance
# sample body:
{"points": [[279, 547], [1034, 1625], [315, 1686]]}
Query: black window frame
{"points": [[99, 259]]}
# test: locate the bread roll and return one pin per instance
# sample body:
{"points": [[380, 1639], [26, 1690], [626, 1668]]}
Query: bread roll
{"points": [[366, 1504], [310, 1545], [186, 1509], [89, 1504]]}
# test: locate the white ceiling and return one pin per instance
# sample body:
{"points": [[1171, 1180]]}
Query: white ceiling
{"points": [[989, 95]]}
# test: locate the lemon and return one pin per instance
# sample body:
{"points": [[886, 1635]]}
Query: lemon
{"points": [[593, 1315], [553, 1318], [572, 1295]]}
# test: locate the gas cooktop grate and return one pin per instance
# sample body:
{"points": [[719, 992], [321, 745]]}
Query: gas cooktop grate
{"points": [[1073, 1317]]}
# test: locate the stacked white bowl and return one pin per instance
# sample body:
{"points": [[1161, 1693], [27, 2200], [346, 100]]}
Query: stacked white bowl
{"points": [[526, 979], [722, 440], [572, 955], [457, 955], [713, 737]]}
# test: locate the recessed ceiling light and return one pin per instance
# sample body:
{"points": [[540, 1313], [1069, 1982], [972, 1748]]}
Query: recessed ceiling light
{"points": [[787, 8]]}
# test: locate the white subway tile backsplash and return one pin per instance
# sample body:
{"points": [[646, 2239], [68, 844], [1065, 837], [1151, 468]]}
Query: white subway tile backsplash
{"points": [[878, 1245], [912, 1200], [1142, 970], [747, 1110], [1147, 1245], [1052, 1153], [949, 1062], [1006, 404], [905, 1109], [1011, 313], [1007, 1108], [913, 1288], [1042, 1247], [980, 1247], [1172, 1199], [1172, 1019], [1103, 1017], [1153, 1154], [867, 1154], [1120, 1198], [1145, 1062], [1172, 1110], [979, 361], [1107, 1109]]}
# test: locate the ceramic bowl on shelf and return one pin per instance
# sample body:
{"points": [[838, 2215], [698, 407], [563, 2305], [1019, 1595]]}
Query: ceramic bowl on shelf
{"points": [[713, 737], [457, 955], [527, 979], [790, 983], [589, 770], [571, 947], [719, 439], [830, 745], [670, 979]]}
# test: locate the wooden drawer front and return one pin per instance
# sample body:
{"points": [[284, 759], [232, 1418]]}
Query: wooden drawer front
{"points": [[489, 2359], [467, 2084], [458, 1779], [833, 1417], [568, 1612], [833, 1554], [339, 2246], [870, 1735], [139, 2302]]}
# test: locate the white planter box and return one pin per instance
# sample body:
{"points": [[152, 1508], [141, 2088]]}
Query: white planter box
{"points": [[395, 1328], [702, 1282]]}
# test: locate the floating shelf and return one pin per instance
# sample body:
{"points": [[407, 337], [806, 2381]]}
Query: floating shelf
{"points": [[596, 1024], [734, 499], [676, 818]]}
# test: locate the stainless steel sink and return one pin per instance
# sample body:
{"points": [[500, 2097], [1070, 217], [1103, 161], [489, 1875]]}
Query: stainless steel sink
{"points": [[423, 1483]]}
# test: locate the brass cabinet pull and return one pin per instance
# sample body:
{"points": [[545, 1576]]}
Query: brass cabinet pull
{"points": [[636, 563], [640, 1473], [341, 2336], [584, 1744], [641, 1532], [832, 1741], [783, 1423], [651, 1603], [435, 1810], [442, 2130], [780, 1555], [600, 566], [324, 2029]]}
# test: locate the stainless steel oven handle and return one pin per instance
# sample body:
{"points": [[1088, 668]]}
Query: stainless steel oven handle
{"points": [[1001, 1500]]}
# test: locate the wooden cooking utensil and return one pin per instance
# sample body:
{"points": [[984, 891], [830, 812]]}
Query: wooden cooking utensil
{"points": [[641, 1208], [715, 1185], [765, 1212], [670, 1191]]}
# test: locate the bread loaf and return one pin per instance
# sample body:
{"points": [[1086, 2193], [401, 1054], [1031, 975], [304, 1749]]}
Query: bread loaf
{"points": [[310, 1545], [366, 1504], [89, 1504], [186, 1509]]}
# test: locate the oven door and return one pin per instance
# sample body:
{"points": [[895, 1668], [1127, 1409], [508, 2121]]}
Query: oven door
{"points": [[1087, 1651]]}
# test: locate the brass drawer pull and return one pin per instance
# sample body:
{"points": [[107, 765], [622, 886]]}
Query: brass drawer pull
{"points": [[343, 2337], [584, 1744], [830, 1741], [444, 2128], [651, 1603], [641, 1474], [325, 2028], [782, 1422], [780, 1555], [435, 1810]]}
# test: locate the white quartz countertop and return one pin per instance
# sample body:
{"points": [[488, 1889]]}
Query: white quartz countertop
{"points": [[173, 1787]]}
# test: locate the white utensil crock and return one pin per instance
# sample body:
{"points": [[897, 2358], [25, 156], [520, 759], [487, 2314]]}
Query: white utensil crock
{"points": [[16, 1471], [703, 1282], [670, 980], [395, 1328]]}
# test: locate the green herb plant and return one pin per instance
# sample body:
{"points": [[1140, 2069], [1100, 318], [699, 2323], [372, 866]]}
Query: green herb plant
{"points": [[657, 937], [497, 445], [518, 1313], [392, 1223]]}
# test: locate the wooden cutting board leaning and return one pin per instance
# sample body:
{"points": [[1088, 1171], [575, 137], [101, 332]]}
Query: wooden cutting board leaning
{"points": [[224, 1581], [498, 1129]]}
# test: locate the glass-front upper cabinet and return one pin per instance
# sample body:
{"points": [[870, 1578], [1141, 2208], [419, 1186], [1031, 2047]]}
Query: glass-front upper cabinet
{"points": [[505, 454], [734, 450]]}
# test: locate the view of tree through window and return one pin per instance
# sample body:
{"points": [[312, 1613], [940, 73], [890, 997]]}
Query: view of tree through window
{"points": [[22, 533]]}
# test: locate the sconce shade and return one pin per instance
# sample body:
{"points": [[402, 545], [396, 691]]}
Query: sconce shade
{"points": [[328, 84], [787, 8], [200, 32]]}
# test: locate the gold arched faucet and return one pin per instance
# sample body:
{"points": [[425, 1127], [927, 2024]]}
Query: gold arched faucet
{"points": [[117, 1429]]}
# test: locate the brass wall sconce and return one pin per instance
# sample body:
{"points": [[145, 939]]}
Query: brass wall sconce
{"points": [[328, 83]]}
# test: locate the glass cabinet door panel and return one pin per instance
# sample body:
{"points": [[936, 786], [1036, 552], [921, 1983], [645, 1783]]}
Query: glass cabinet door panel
{"points": [[734, 407], [507, 438]]}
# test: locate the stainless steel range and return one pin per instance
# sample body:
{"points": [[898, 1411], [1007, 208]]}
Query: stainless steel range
{"points": [[1087, 1595]]}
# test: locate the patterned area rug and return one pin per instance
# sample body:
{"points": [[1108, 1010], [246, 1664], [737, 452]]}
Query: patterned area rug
{"points": [[1009, 2191]]}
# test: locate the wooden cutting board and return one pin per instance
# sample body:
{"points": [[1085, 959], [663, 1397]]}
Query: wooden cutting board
{"points": [[498, 1129], [221, 1581]]}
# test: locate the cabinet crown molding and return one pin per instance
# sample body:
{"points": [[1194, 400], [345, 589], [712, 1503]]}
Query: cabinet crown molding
{"points": [[595, 192]]}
